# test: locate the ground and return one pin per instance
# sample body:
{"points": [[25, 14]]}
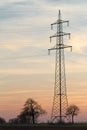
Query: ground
{"points": [[44, 127]]}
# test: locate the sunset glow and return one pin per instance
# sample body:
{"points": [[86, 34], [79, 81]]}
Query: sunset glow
{"points": [[26, 69]]}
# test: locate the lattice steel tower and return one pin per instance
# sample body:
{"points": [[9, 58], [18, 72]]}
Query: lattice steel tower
{"points": [[60, 101]]}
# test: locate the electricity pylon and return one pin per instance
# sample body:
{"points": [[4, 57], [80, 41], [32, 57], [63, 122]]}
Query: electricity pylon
{"points": [[60, 101]]}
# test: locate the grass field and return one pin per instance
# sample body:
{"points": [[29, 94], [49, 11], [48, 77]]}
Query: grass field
{"points": [[79, 126]]}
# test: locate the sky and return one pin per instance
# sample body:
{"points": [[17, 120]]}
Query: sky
{"points": [[26, 69]]}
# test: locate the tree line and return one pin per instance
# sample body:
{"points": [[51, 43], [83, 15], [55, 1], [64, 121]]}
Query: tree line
{"points": [[32, 111]]}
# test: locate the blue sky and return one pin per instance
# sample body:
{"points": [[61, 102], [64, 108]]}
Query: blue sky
{"points": [[26, 69]]}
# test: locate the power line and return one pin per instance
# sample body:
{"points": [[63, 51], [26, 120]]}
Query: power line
{"points": [[21, 57], [38, 55]]}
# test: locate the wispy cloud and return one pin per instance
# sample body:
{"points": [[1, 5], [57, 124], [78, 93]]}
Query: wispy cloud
{"points": [[66, 1], [23, 71], [21, 92], [25, 31]]}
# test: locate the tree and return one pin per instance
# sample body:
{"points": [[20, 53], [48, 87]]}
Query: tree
{"points": [[72, 111], [2, 120], [31, 111]]}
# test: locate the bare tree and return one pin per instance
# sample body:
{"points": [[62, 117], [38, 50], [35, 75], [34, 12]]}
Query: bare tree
{"points": [[31, 111], [72, 111]]}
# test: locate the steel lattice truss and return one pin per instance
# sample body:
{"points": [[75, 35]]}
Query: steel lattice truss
{"points": [[60, 101]]}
